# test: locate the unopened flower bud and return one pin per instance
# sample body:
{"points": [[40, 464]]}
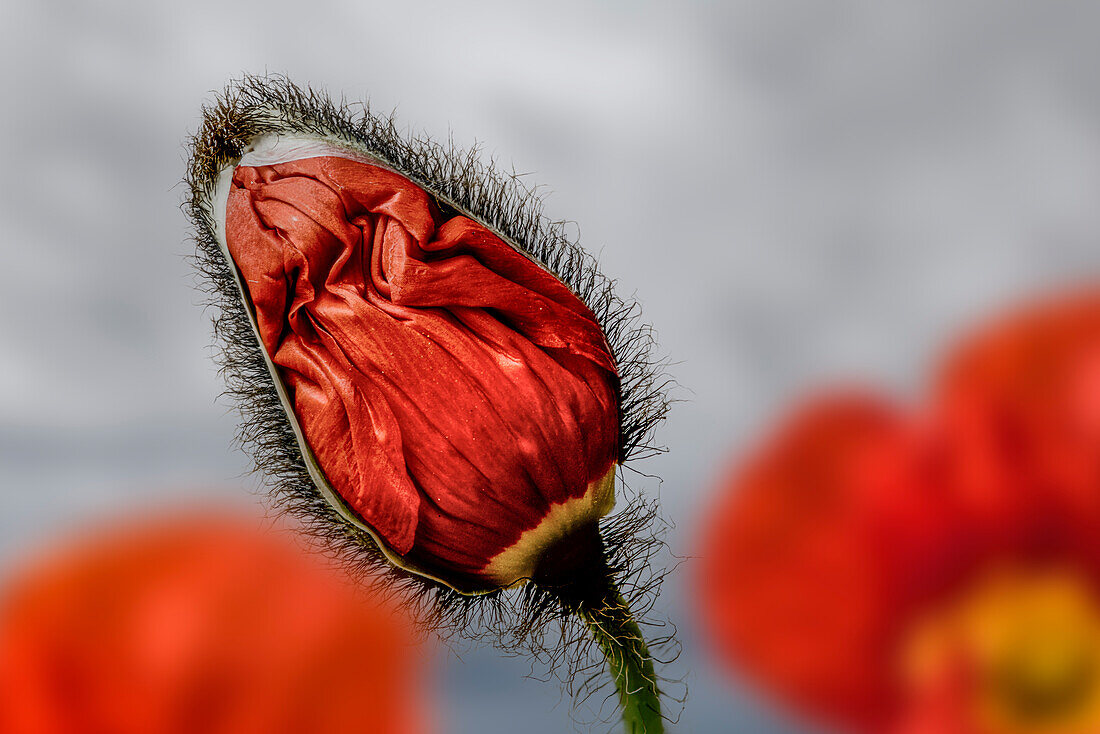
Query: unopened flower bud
{"points": [[432, 371]]}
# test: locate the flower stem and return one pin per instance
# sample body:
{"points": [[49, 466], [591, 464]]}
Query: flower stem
{"points": [[620, 639]]}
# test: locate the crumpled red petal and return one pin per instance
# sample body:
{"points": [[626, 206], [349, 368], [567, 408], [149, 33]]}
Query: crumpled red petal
{"points": [[451, 389]]}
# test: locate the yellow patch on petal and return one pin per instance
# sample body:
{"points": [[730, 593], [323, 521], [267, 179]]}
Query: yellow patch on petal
{"points": [[516, 564], [1027, 644]]}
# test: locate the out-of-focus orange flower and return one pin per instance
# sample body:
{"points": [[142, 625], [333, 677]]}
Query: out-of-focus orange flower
{"points": [[200, 625], [932, 573]]}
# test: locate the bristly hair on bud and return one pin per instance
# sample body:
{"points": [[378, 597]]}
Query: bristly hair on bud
{"points": [[549, 620]]}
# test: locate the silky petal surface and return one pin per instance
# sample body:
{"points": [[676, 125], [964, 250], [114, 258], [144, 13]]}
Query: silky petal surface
{"points": [[451, 388]]}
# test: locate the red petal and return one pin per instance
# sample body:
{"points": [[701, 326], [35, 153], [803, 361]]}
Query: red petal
{"points": [[451, 389], [1021, 401], [793, 580], [199, 625]]}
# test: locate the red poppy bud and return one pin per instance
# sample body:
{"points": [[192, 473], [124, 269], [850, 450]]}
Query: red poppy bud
{"points": [[457, 396], [436, 377], [199, 624], [451, 375]]}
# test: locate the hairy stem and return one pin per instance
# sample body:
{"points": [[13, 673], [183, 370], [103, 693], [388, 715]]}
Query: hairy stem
{"points": [[620, 639], [575, 569]]}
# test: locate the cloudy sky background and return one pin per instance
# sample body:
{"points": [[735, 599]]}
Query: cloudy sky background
{"points": [[797, 192]]}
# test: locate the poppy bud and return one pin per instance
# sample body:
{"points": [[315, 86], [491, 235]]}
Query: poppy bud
{"points": [[427, 366]]}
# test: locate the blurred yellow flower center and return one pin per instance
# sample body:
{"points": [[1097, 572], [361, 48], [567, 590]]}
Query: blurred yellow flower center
{"points": [[1023, 649]]}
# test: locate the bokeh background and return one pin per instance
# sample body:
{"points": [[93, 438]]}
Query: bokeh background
{"points": [[797, 192]]}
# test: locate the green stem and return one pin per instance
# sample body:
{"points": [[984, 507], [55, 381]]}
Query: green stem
{"points": [[628, 658]]}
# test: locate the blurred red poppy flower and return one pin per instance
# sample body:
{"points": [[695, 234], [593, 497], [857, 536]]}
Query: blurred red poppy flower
{"points": [[933, 572], [200, 625]]}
